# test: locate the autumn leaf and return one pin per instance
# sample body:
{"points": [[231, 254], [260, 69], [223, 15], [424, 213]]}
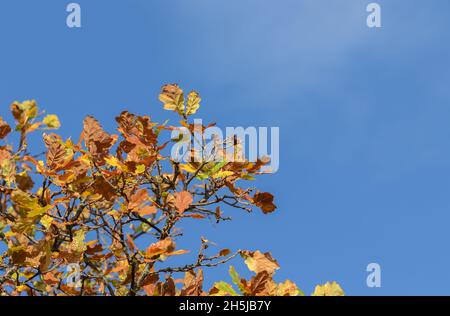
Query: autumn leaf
{"points": [[7, 166], [29, 203], [224, 252], [264, 200], [24, 112], [222, 289], [259, 284], [36, 255], [137, 199], [137, 203], [104, 188], [5, 129], [56, 152], [97, 141], [161, 247], [192, 283], [24, 181], [172, 97], [193, 103], [287, 288], [258, 262], [328, 289], [182, 201], [51, 121], [168, 288], [236, 279]]}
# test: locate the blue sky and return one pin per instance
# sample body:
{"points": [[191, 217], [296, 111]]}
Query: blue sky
{"points": [[363, 116]]}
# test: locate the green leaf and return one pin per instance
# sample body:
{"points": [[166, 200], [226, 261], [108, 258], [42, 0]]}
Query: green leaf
{"points": [[202, 176], [217, 167], [225, 289], [234, 275]]}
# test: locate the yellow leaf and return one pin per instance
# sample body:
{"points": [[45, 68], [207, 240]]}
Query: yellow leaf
{"points": [[288, 288], [193, 103], [328, 289], [113, 161], [140, 169], [189, 168], [173, 98], [222, 174], [52, 121], [29, 203], [46, 221]]}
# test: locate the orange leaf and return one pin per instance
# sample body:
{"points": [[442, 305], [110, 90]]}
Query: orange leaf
{"points": [[161, 247], [182, 201]]}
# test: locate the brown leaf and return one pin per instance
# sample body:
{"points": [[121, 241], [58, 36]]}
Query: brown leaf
{"points": [[24, 182], [56, 153], [182, 201], [168, 288], [192, 283], [224, 252], [264, 200], [103, 187], [5, 129], [150, 279], [259, 284], [139, 127], [97, 141], [35, 255], [218, 214]]}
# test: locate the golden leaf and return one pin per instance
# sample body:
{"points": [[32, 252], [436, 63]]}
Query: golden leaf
{"points": [[173, 98], [193, 103], [328, 289], [52, 121], [258, 262]]}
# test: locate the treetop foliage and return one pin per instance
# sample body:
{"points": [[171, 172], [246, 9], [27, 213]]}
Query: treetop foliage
{"points": [[100, 216]]}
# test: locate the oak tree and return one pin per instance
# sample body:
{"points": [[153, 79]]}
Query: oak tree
{"points": [[104, 210]]}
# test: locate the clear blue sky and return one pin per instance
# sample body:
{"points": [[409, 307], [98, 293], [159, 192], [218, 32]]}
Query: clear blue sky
{"points": [[363, 115]]}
